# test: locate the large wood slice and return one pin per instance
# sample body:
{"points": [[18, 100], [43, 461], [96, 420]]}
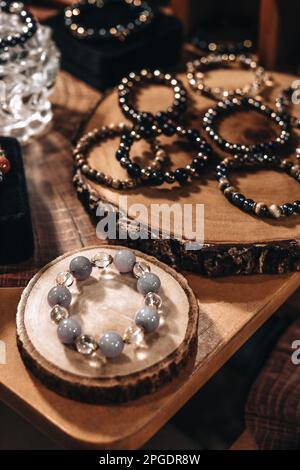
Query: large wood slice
{"points": [[234, 242], [107, 301]]}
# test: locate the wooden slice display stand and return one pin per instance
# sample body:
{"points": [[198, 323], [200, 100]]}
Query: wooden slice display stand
{"points": [[234, 242], [107, 301]]}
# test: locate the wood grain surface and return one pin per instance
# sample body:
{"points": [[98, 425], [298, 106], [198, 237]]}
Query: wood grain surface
{"points": [[107, 301], [234, 242], [232, 309]]}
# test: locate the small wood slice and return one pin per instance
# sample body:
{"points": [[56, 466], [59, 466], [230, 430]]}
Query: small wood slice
{"points": [[234, 242], [107, 301]]}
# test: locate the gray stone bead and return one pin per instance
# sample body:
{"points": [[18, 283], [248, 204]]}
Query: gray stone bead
{"points": [[81, 268], [147, 318], [111, 344], [150, 282], [68, 330], [59, 295], [124, 261]]}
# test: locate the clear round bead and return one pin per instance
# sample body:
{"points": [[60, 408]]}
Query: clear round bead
{"points": [[153, 300], [134, 336], [140, 268], [102, 260], [64, 279], [58, 313], [86, 345]]}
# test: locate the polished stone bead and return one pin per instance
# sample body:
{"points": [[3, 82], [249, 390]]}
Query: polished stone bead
{"points": [[4, 165], [168, 129], [287, 209], [153, 300], [86, 345], [147, 318], [124, 261], [59, 295], [192, 134], [181, 175], [274, 211], [121, 153], [134, 336], [140, 268], [81, 268], [248, 205], [101, 260], [58, 313], [134, 170], [296, 205], [145, 119], [111, 344], [150, 282], [64, 279], [238, 199], [68, 330], [156, 178]]}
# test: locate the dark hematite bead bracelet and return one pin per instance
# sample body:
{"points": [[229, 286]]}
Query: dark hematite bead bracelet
{"points": [[142, 16], [147, 123], [229, 106], [29, 29], [285, 100], [253, 162], [156, 177]]}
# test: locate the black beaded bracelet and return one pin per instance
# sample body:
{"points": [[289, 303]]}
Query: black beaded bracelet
{"points": [[284, 101], [148, 123], [156, 177], [142, 14], [226, 107], [30, 24], [96, 137], [249, 205], [206, 46]]}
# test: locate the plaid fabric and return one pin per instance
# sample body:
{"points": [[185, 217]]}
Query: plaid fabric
{"points": [[60, 223], [273, 405]]}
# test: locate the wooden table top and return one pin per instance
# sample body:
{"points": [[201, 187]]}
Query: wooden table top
{"points": [[232, 309]]}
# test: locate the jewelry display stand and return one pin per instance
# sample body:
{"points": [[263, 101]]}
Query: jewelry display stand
{"points": [[108, 301], [102, 64], [14, 208], [234, 242]]}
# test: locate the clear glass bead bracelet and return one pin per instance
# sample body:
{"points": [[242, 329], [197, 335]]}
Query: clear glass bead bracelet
{"points": [[109, 343]]}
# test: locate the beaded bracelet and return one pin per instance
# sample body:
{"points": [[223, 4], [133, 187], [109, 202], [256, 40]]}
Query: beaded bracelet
{"points": [[148, 123], [96, 137], [249, 205], [142, 12], [196, 76], [111, 343], [29, 29], [285, 100], [156, 177], [4, 165], [223, 108], [221, 47]]}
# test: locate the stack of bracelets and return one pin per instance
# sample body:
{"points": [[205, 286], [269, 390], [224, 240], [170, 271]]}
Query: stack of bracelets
{"points": [[109, 343], [4, 165], [150, 126], [142, 16], [29, 29]]}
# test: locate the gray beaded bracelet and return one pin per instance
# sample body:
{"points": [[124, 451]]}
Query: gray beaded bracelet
{"points": [[110, 343]]}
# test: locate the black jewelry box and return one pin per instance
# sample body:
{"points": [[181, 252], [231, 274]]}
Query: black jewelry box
{"points": [[103, 63], [16, 237]]}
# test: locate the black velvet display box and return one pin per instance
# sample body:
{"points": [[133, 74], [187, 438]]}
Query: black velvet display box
{"points": [[102, 64], [16, 237]]}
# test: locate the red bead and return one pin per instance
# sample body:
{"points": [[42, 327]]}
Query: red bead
{"points": [[4, 164]]}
